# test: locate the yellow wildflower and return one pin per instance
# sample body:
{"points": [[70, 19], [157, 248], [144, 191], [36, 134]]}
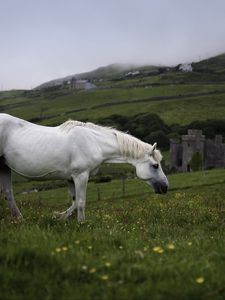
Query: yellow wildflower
{"points": [[58, 250], [189, 243], [64, 248], [171, 246], [92, 270], [108, 264], [104, 277], [200, 280], [158, 249], [77, 242]]}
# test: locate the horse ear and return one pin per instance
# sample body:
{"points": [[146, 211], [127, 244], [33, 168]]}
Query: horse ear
{"points": [[154, 147]]}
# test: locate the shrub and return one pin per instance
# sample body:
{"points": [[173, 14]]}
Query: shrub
{"points": [[196, 162], [160, 137], [103, 178]]}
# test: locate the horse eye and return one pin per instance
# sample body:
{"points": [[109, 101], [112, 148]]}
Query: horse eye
{"points": [[155, 166]]}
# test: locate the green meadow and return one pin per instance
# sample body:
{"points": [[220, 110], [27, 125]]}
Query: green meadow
{"points": [[134, 244], [180, 104], [176, 97]]}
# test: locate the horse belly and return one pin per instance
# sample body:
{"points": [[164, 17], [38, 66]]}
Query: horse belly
{"points": [[39, 160], [42, 167]]}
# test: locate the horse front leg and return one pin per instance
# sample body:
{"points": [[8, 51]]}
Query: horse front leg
{"points": [[6, 189], [79, 197], [81, 181]]}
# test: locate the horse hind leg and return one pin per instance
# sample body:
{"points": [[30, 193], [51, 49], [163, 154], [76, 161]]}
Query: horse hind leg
{"points": [[70, 211], [71, 189], [6, 189]]}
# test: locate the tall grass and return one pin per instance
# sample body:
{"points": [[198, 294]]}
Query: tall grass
{"points": [[135, 247]]}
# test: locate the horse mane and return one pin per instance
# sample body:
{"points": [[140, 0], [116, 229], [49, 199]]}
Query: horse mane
{"points": [[70, 124], [129, 146]]}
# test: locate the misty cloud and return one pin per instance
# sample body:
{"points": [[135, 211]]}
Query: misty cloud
{"points": [[45, 39]]}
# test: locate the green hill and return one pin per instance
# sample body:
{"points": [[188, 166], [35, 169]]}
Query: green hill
{"points": [[214, 64], [110, 72], [177, 97]]}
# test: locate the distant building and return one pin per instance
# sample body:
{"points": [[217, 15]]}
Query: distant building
{"points": [[212, 153], [79, 84], [133, 74], [185, 68]]}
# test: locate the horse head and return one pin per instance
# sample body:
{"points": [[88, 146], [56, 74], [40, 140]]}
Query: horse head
{"points": [[149, 169]]}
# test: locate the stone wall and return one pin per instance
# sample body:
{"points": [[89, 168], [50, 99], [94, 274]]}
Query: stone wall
{"points": [[214, 154], [176, 151], [211, 152], [193, 142]]}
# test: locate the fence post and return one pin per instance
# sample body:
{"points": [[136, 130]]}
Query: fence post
{"points": [[98, 194], [123, 186]]}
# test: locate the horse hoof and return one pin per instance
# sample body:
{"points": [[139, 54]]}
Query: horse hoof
{"points": [[56, 213], [16, 215], [17, 218], [59, 215]]}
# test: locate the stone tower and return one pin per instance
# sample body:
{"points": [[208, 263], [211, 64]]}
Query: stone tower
{"points": [[211, 152], [192, 143], [214, 153], [176, 153]]}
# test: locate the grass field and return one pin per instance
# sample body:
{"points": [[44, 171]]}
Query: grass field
{"points": [[134, 244], [176, 97], [180, 104]]}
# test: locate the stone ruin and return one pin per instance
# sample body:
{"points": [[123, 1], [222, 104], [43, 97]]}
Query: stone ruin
{"points": [[212, 153]]}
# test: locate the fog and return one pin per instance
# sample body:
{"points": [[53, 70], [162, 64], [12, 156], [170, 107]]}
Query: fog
{"points": [[43, 40]]}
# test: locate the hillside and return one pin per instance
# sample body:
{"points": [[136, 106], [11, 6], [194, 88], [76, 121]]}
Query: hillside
{"points": [[176, 97], [215, 65], [113, 71], [212, 69], [134, 244]]}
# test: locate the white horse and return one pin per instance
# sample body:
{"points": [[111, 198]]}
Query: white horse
{"points": [[72, 151]]}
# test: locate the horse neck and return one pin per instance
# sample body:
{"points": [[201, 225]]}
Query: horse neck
{"points": [[111, 150]]}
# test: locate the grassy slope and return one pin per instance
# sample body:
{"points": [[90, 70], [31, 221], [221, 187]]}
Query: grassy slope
{"points": [[191, 96], [112, 256], [43, 258], [101, 103]]}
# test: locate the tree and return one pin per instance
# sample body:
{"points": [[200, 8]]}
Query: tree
{"points": [[160, 137], [196, 162]]}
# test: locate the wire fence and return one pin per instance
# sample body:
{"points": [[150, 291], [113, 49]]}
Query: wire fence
{"points": [[117, 189]]}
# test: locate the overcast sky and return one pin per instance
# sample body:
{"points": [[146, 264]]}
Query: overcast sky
{"points": [[47, 39]]}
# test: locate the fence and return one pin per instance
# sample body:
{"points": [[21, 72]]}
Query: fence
{"points": [[117, 189]]}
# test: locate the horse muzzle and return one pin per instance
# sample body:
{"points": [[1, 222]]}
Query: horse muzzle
{"points": [[160, 187]]}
